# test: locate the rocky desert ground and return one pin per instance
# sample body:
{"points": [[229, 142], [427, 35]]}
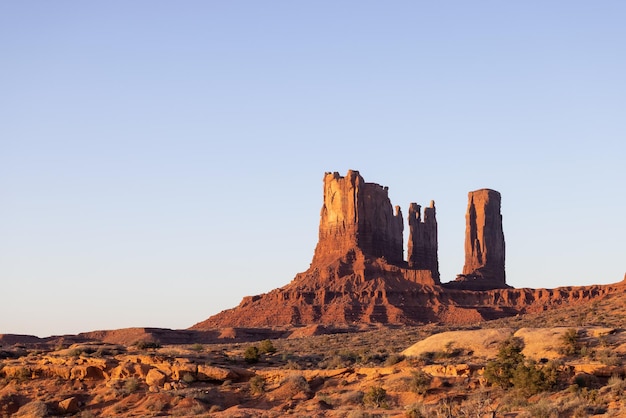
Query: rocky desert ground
{"points": [[562, 363]]}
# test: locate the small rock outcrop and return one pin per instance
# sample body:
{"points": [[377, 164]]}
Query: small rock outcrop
{"points": [[484, 241]]}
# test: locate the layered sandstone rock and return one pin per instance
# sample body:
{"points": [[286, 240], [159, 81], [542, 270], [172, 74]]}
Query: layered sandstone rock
{"points": [[358, 216], [392, 301], [422, 247], [484, 239], [360, 237]]}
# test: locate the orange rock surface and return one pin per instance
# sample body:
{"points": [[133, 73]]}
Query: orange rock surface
{"points": [[484, 238]]}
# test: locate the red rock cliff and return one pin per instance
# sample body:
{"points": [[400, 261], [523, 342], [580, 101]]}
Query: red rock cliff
{"points": [[484, 238], [357, 216]]}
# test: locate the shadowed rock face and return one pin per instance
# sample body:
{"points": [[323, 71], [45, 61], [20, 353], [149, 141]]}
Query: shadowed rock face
{"points": [[422, 247], [484, 238]]}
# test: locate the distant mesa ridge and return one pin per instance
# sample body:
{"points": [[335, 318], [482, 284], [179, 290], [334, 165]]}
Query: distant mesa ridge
{"points": [[359, 273]]}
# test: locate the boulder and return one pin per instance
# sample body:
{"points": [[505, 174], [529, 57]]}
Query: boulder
{"points": [[448, 370], [129, 369], [481, 342], [87, 372], [69, 405], [206, 372], [155, 378], [33, 409]]}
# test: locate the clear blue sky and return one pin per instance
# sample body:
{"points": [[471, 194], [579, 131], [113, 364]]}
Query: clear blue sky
{"points": [[161, 160]]}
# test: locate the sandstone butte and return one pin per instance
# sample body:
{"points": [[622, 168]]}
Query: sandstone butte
{"points": [[358, 274]]}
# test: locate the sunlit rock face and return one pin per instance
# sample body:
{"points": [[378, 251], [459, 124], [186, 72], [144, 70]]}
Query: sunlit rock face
{"points": [[484, 238], [358, 216]]}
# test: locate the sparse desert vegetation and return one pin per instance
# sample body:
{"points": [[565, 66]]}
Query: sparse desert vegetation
{"points": [[518, 368]]}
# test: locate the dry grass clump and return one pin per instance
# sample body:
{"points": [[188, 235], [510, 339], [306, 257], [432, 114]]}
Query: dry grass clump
{"points": [[376, 396], [296, 383], [351, 397], [257, 385]]}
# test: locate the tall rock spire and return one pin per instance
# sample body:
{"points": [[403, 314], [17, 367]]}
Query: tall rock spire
{"points": [[484, 238], [422, 247]]}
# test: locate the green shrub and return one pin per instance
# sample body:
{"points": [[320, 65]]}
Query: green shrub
{"points": [[266, 346], [590, 396], [349, 356], [420, 382], [394, 359], [530, 379], [570, 343], [415, 411], [23, 374], [143, 345], [257, 385], [500, 371], [447, 353], [580, 381], [251, 355], [75, 352], [426, 357], [103, 352], [511, 369], [197, 347], [376, 396]]}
